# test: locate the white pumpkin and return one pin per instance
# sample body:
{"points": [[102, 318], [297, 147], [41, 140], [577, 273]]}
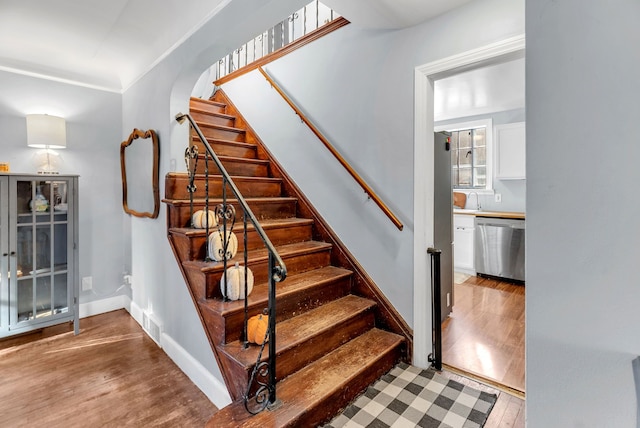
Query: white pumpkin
{"points": [[199, 219], [234, 280], [216, 246]]}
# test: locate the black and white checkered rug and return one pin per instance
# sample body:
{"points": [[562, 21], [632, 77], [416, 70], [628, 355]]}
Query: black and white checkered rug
{"points": [[411, 397]]}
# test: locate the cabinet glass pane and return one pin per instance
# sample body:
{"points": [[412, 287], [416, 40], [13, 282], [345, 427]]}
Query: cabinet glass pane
{"points": [[43, 296], [60, 297], [25, 299], [24, 250], [60, 246], [43, 248]]}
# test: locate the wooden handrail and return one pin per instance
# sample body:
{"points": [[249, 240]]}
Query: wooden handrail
{"points": [[287, 49], [335, 153]]}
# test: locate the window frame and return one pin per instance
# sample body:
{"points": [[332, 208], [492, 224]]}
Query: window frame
{"points": [[481, 123]]}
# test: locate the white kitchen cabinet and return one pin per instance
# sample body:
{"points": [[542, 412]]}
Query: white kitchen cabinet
{"points": [[463, 243], [39, 249], [510, 144]]}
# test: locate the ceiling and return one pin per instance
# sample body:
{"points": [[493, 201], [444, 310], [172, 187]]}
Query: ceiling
{"points": [[490, 89], [110, 44]]}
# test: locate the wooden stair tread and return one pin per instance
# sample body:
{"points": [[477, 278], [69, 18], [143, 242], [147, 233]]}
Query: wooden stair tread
{"points": [[202, 177], [293, 284], [309, 387], [287, 250], [195, 109], [266, 225], [213, 141], [242, 160], [204, 125], [206, 101], [296, 331], [216, 201]]}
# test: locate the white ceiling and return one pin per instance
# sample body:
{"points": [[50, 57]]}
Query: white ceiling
{"points": [[485, 90], [110, 44]]}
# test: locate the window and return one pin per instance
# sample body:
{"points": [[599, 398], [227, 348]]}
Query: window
{"points": [[469, 158], [470, 154]]}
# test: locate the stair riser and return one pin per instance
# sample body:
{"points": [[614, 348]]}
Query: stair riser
{"points": [[213, 119], [208, 106], [180, 216], [213, 133], [228, 148], [177, 188], [236, 168], [295, 264], [195, 247], [230, 329]]}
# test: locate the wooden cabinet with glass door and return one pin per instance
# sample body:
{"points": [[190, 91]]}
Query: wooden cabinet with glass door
{"points": [[39, 242]]}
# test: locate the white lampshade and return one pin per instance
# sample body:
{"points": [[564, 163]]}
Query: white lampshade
{"points": [[46, 132]]}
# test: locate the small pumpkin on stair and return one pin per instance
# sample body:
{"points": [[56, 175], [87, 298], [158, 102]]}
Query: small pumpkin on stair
{"points": [[216, 245], [257, 327], [232, 282], [199, 219]]}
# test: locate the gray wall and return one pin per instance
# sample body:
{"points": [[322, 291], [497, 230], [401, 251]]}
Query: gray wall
{"points": [[583, 297], [358, 87], [94, 128]]}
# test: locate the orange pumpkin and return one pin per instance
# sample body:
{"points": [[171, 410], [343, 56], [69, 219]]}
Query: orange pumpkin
{"points": [[257, 329]]}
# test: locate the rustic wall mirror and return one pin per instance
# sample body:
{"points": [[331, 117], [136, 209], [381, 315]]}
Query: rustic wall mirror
{"points": [[139, 165]]}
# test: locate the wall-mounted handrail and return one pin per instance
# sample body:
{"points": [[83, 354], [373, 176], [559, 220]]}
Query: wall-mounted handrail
{"points": [[266, 393], [367, 189]]}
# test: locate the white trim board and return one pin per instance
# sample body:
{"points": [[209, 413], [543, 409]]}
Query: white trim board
{"points": [[102, 306], [423, 178]]}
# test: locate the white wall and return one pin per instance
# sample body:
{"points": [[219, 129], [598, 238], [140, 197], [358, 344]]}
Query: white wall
{"points": [[94, 124], [357, 86], [583, 298]]}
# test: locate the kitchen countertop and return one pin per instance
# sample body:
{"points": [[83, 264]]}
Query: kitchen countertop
{"points": [[497, 214]]}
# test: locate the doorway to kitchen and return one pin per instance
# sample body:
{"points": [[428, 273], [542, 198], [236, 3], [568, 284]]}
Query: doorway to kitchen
{"points": [[469, 317]]}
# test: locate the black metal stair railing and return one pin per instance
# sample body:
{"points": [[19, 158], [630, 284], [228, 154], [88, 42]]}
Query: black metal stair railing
{"points": [[263, 394]]}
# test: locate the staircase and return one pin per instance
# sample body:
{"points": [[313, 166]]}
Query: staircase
{"points": [[336, 332]]}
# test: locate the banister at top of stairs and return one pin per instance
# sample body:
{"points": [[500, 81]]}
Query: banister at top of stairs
{"points": [[367, 189], [265, 396]]}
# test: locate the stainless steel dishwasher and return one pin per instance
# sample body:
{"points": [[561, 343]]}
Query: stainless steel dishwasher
{"points": [[499, 247]]}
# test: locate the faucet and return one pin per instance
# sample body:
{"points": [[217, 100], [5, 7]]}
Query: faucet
{"points": [[478, 207]]}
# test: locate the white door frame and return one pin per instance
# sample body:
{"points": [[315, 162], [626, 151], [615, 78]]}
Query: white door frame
{"points": [[423, 178]]}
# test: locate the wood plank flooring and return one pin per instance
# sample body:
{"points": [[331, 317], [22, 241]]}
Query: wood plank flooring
{"points": [[484, 336], [110, 375], [113, 375]]}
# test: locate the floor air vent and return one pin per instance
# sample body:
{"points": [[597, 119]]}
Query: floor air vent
{"points": [[152, 326]]}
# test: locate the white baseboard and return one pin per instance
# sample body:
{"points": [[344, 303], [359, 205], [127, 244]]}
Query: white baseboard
{"points": [[102, 306], [215, 390]]}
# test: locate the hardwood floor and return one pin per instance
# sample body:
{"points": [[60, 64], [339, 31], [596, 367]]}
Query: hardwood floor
{"points": [[113, 375], [485, 333], [110, 375]]}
